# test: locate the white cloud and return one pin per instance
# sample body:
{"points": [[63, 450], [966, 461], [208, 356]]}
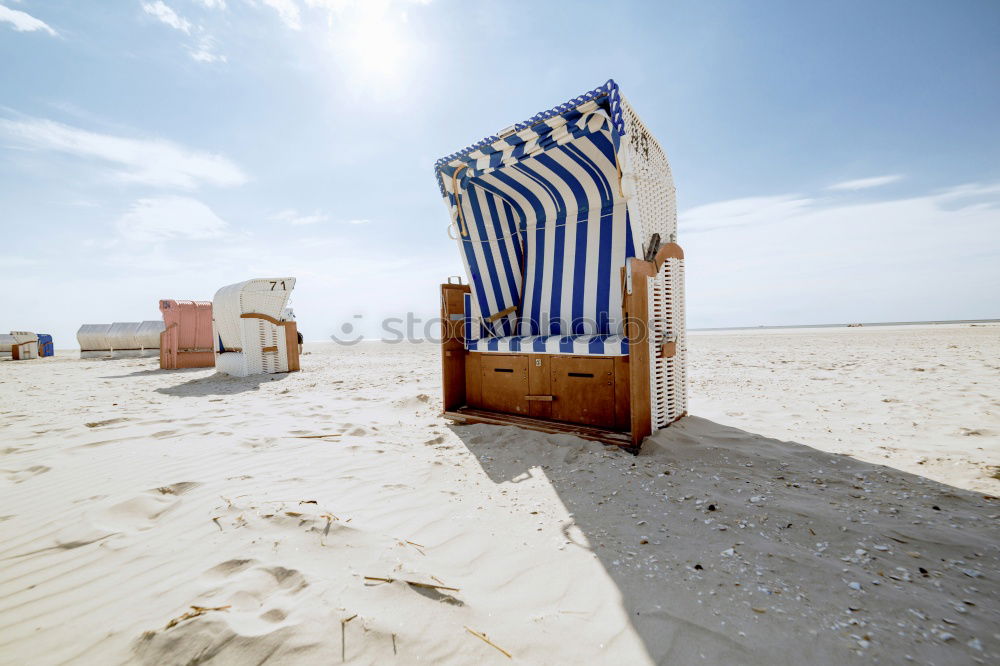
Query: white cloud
{"points": [[742, 212], [821, 261], [165, 14], [23, 21], [866, 183], [202, 49], [205, 51], [288, 12], [167, 218], [213, 4], [358, 221], [293, 217], [149, 161]]}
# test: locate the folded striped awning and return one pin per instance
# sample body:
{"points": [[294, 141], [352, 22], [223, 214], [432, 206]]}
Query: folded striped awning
{"points": [[544, 229]]}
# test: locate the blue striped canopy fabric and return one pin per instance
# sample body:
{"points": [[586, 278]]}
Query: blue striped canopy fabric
{"points": [[544, 230]]}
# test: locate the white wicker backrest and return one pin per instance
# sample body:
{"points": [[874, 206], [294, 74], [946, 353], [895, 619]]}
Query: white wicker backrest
{"points": [[24, 336], [647, 181], [267, 296], [149, 334], [94, 337]]}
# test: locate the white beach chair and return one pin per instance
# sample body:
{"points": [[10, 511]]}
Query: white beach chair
{"points": [[124, 339], [148, 337], [94, 340], [22, 345], [250, 331]]}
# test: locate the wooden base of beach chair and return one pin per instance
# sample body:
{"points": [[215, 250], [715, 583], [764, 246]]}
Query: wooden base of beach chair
{"points": [[469, 415], [171, 359], [584, 390], [602, 398]]}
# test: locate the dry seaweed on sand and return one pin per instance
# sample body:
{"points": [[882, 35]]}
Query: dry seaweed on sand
{"points": [[195, 611], [412, 582], [343, 636], [484, 638]]}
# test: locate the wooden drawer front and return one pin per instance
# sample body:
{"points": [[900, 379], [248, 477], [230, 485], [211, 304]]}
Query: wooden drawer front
{"points": [[505, 383], [583, 390]]}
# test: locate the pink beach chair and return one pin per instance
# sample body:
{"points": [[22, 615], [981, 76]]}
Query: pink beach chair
{"points": [[187, 340]]}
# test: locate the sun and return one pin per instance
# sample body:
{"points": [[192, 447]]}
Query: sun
{"points": [[375, 49]]}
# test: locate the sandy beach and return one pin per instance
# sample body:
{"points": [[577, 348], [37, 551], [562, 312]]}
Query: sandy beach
{"points": [[831, 499]]}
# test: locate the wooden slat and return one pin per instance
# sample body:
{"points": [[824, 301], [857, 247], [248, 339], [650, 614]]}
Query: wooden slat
{"points": [[473, 379], [257, 315], [539, 383], [637, 329], [292, 345], [622, 418], [503, 313], [453, 377]]}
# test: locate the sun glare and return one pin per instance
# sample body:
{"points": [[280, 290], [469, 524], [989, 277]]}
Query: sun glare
{"points": [[374, 49]]}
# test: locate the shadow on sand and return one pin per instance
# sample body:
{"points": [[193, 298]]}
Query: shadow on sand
{"points": [[219, 384], [156, 371], [732, 548]]}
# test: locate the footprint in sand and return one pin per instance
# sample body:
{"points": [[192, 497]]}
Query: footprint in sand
{"points": [[249, 608], [142, 512], [22, 475]]}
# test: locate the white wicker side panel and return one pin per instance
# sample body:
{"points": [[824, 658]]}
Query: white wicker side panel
{"points": [[667, 376], [680, 373], [649, 188]]}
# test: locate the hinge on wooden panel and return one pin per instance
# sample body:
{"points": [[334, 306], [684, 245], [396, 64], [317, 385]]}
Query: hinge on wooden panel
{"points": [[628, 277]]}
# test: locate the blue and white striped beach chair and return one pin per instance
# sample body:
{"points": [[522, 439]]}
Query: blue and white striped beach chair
{"points": [[563, 325]]}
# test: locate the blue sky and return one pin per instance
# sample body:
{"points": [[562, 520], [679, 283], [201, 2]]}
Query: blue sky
{"points": [[834, 162]]}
